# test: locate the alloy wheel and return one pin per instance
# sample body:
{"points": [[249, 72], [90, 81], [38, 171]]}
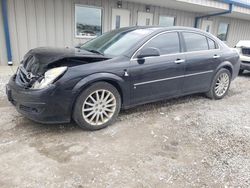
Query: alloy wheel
{"points": [[222, 84], [99, 107]]}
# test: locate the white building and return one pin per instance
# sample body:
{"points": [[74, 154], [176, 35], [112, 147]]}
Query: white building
{"points": [[26, 24]]}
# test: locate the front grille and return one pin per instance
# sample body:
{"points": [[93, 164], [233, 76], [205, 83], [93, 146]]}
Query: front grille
{"points": [[27, 109], [22, 77], [245, 62], [246, 51]]}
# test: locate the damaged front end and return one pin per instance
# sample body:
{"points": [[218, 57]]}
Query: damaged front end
{"points": [[41, 67], [31, 79], [28, 80]]}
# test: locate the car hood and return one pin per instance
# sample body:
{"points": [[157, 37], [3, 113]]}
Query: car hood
{"points": [[38, 60], [243, 43]]}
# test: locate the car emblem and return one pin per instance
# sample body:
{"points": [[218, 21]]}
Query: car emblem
{"points": [[29, 75]]}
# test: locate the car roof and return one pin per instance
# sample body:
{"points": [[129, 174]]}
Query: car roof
{"points": [[162, 28], [159, 29]]}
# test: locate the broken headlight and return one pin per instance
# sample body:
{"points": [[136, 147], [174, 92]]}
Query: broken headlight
{"points": [[49, 77]]}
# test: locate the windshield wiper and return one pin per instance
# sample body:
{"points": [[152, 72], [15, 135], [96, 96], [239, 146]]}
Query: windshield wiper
{"points": [[96, 51]]}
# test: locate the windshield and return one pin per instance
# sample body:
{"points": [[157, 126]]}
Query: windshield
{"points": [[116, 42]]}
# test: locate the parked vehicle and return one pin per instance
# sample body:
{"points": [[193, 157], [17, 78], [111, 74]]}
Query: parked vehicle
{"points": [[243, 47], [120, 69]]}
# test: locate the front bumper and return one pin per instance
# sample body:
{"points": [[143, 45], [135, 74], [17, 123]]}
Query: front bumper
{"points": [[244, 58], [245, 66], [44, 106]]}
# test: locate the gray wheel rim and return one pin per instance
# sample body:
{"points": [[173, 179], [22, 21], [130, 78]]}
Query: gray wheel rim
{"points": [[99, 107], [222, 84]]}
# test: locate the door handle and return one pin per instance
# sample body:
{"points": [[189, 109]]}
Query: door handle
{"points": [[179, 61], [216, 56]]}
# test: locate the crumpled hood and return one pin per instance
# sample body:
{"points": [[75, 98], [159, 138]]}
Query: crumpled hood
{"points": [[49, 54], [38, 60]]}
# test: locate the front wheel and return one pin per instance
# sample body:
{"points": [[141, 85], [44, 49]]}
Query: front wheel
{"points": [[97, 106], [220, 84]]}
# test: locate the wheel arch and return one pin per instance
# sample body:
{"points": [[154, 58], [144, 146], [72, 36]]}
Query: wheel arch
{"points": [[227, 65], [223, 67], [114, 80], [228, 68]]}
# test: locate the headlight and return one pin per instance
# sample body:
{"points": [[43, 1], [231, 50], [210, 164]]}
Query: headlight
{"points": [[49, 77]]}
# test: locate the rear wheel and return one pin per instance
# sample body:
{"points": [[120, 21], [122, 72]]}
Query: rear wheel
{"points": [[97, 106], [220, 84]]}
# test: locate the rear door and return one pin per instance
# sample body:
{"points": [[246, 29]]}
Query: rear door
{"points": [[202, 57], [154, 78]]}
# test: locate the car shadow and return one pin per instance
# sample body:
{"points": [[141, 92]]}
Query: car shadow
{"points": [[61, 128], [157, 106]]}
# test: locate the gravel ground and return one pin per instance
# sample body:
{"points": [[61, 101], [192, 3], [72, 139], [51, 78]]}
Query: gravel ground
{"points": [[187, 142]]}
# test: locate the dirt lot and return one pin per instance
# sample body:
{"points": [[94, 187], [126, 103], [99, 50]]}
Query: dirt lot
{"points": [[186, 142]]}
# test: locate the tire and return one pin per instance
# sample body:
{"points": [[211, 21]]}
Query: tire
{"points": [[241, 71], [93, 100], [212, 93]]}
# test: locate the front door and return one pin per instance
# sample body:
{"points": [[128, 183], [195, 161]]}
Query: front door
{"points": [[120, 18], [207, 25], [158, 77], [144, 19]]}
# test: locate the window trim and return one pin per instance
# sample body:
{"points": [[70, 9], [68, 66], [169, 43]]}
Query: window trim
{"points": [[185, 47], [216, 45], [87, 6], [165, 15], [182, 44], [221, 22], [164, 32], [180, 49]]}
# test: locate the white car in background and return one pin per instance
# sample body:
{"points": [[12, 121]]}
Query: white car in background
{"points": [[243, 48]]}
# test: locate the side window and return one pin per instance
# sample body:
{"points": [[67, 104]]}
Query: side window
{"points": [[212, 45], [167, 43], [195, 42]]}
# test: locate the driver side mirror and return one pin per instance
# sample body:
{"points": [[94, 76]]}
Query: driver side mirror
{"points": [[148, 52]]}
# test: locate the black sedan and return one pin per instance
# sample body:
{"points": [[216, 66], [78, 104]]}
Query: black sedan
{"points": [[120, 69]]}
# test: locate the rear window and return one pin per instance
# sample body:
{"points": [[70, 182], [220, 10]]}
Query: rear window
{"points": [[195, 42]]}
